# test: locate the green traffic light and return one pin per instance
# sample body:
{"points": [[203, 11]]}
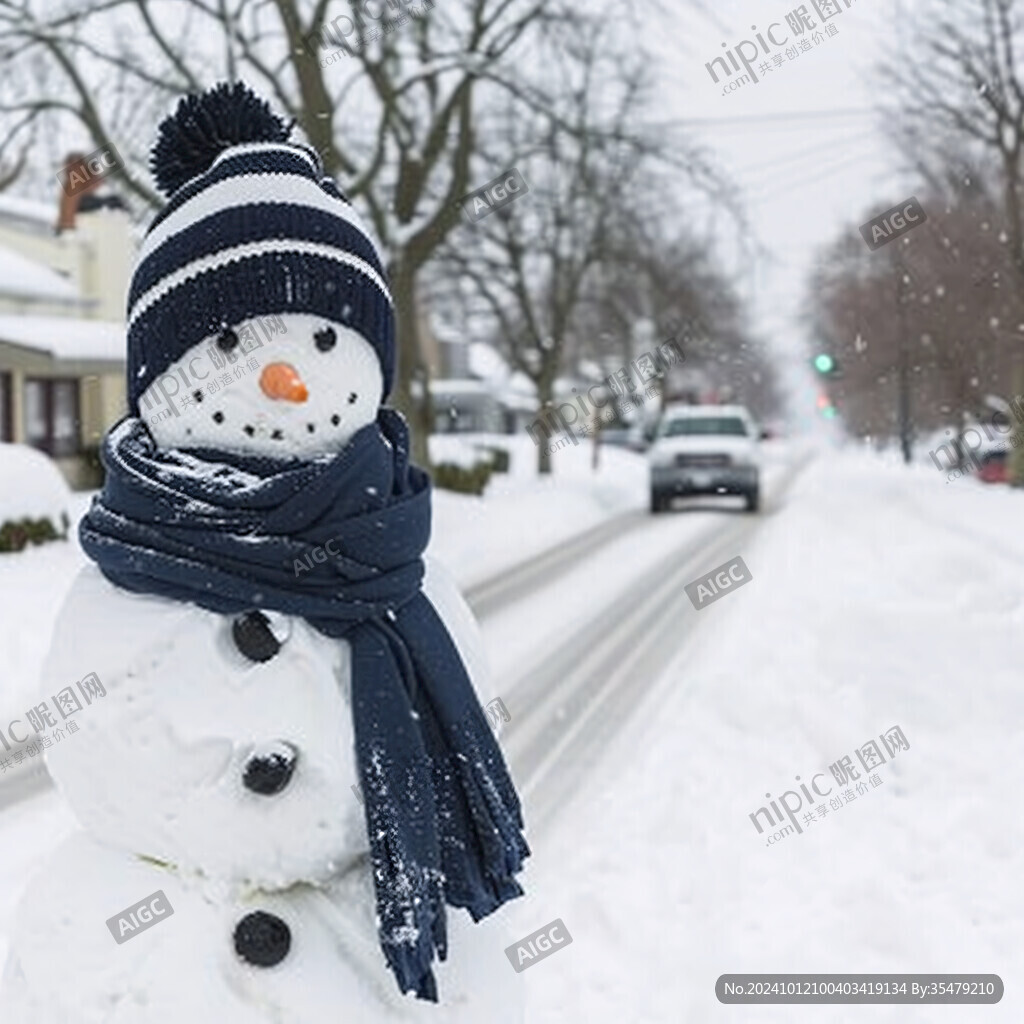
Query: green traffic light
{"points": [[829, 413], [824, 363]]}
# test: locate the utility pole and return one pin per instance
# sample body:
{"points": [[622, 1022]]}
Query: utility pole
{"points": [[903, 356]]}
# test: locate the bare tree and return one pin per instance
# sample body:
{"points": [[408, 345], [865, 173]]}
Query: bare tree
{"points": [[958, 108], [528, 263], [937, 310], [657, 273], [391, 113]]}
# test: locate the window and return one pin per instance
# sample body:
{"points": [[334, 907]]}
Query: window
{"points": [[51, 415], [6, 419], [718, 425]]}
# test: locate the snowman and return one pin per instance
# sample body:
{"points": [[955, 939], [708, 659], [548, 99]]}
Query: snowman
{"points": [[285, 738]]}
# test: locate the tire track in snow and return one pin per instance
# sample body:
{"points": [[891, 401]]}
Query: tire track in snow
{"points": [[567, 710]]}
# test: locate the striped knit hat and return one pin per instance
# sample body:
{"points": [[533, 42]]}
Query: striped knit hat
{"points": [[252, 228]]}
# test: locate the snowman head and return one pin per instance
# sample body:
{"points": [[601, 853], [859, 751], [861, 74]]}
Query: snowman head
{"points": [[303, 393], [259, 319]]}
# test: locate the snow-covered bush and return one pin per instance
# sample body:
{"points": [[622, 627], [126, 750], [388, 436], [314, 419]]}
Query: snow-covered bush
{"points": [[34, 498], [500, 458], [451, 477]]}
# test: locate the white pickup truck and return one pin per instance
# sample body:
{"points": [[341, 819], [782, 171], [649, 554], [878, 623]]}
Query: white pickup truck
{"points": [[705, 449]]}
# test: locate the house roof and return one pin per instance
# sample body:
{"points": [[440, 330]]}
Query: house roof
{"points": [[42, 215], [24, 278], [66, 338], [459, 386], [485, 362]]}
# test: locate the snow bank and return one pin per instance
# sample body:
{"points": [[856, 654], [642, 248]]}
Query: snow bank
{"points": [[31, 485], [33, 582], [521, 514]]}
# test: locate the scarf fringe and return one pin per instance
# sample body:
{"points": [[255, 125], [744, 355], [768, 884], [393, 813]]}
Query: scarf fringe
{"points": [[496, 818]]}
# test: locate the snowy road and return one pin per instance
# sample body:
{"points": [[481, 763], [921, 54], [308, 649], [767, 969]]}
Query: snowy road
{"points": [[880, 597], [605, 615]]}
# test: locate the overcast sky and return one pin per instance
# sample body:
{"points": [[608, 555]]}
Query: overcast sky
{"points": [[801, 178]]}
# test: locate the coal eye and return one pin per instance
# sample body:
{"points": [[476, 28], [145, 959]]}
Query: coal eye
{"points": [[325, 339], [227, 340]]}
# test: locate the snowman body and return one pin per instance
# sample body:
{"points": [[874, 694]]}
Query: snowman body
{"points": [[157, 775], [65, 965], [201, 757]]}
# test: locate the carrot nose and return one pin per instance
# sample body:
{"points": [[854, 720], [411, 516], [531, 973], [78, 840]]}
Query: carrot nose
{"points": [[281, 381]]}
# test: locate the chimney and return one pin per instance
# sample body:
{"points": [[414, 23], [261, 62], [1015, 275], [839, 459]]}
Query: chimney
{"points": [[76, 180]]}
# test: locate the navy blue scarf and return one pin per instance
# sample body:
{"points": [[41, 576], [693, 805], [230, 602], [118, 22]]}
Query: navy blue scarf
{"points": [[225, 532]]}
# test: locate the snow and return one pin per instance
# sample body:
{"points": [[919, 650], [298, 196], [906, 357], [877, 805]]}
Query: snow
{"points": [[458, 386], [487, 363], [477, 538], [32, 486], [18, 208], [184, 967], [519, 392], [30, 831], [879, 598], [33, 582], [66, 337], [23, 278]]}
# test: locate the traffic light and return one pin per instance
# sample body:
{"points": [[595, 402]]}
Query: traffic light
{"points": [[825, 407], [824, 364]]}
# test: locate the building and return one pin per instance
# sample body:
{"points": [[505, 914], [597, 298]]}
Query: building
{"points": [[63, 277], [465, 406]]}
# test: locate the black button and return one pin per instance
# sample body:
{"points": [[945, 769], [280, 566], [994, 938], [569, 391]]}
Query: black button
{"points": [[253, 636], [269, 770], [262, 939]]}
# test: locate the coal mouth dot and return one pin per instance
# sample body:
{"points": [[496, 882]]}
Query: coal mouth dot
{"points": [[311, 427], [335, 419], [218, 417], [352, 397], [198, 395], [250, 430], [277, 436]]}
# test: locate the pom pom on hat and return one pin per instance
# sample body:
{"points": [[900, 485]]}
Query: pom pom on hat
{"points": [[204, 126]]}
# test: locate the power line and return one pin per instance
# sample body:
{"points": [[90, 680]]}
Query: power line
{"points": [[789, 162], [794, 115], [820, 173]]}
